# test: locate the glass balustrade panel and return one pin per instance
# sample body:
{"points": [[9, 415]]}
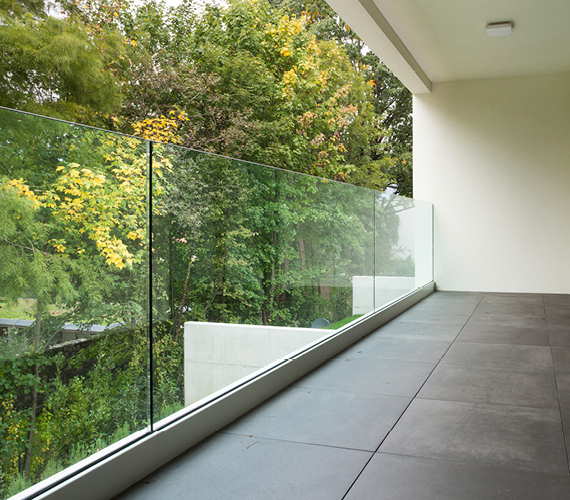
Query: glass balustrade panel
{"points": [[251, 263], [140, 280], [402, 247], [74, 350]]}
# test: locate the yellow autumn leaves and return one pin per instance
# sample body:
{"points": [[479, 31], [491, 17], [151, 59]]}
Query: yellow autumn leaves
{"points": [[23, 190], [162, 129], [283, 34], [105, 204]]}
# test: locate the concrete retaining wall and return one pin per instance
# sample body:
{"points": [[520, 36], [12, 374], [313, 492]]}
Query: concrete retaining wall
{"points": [[369, 294], [218, 354]]}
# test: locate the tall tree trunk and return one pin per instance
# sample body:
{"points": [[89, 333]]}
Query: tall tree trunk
{"points": [[178, 318], [31, 429], [171, 269], [302, 248], [273, 244]]}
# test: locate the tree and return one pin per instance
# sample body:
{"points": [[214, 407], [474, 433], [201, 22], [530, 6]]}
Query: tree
{"points": [[27, 266], [232, 241], [392, 100], [252, 83], [71, 236], [56, 66], [283, 83]]}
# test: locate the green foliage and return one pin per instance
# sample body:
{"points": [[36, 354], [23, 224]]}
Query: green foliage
{"points": [[259, 246], [90, 408], [91, 399], [16, 377], [75, 237], [168, 370], [344, 321], [57, 66], [232, 241], [27, 264], [253, 83], [392, 101], [62, 226], [284, 83]]}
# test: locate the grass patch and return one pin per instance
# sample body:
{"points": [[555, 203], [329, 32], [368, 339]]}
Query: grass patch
{"points": [[342, 322], [24, 309]]}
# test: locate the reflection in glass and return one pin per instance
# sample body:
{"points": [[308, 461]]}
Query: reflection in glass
{"points": [[73, 274], [394, 248], [139, 278]]}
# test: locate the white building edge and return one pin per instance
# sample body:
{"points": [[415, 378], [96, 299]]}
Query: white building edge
{"points": [[491, 133]]}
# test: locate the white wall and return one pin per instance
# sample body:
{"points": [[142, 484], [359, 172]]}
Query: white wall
{"points": [[219, 354], [493, 156], [369, 294]]}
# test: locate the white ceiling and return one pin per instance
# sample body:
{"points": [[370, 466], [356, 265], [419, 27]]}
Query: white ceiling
{"points": [[447, 38]]}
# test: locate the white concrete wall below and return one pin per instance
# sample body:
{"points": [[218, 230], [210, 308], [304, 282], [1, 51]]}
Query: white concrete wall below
{"points": [[369, 294], [219, 354], [493, 156], [106, 477]]}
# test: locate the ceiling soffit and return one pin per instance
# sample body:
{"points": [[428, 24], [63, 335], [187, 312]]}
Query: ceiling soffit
{"points": [[426, 41]]}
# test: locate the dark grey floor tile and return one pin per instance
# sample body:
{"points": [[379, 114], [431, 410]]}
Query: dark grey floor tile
{"points": [[565, 412], [502, 334], [374, 376], [455, 297], [560, 318], [535, 308], [228, 466], [556, 299], [507, 357], [558, 306], [410, 329], [463, 306], [448, 299], [559, 336], [378, 346], [561, 358], [441, 310], [492, 386], [491, 430], [315, 416], [431, 314], [485, 320], [514, 295], [498, 435], [392, 477]]}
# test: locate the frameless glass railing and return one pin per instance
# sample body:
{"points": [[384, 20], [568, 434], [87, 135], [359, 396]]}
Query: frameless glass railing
{"points": [[74, 370], [140, 279]]}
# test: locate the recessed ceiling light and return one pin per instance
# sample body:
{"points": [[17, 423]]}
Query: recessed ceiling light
{"points": [[499, 29]]}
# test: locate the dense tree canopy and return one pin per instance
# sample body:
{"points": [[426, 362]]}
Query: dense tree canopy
{"points": [[57, 66], [280, 82], [392, 101]]}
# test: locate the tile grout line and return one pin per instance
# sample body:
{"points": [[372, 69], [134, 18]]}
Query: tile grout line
{"points": [[477, 464], [304, 443], [509, 405], [411, 400], [557, 390]]}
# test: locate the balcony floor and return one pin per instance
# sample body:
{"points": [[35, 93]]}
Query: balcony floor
{"points": [[463, 397]]}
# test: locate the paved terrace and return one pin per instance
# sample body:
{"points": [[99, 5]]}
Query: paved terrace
{"points": [[465, 396]]}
